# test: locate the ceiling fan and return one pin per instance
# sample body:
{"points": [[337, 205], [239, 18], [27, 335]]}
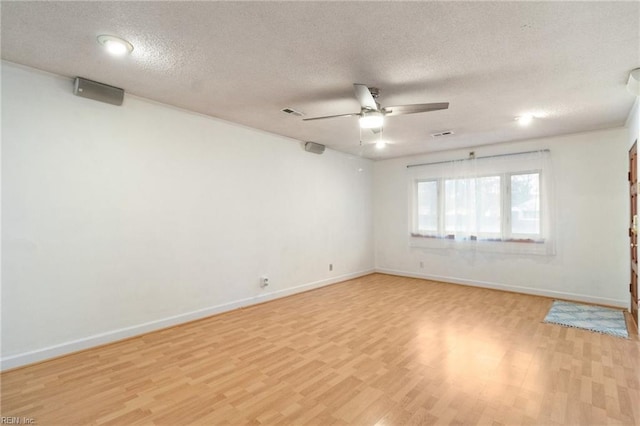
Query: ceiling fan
{"points": [[372, 115]]}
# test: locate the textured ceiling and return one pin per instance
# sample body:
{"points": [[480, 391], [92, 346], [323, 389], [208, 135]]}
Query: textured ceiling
{"points": [[245, 61]]}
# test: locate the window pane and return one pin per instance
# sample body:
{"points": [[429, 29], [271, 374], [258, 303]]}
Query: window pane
{"points": [[428, 207], [472, 206], [488, 205], [459, 206], [525, 204]]}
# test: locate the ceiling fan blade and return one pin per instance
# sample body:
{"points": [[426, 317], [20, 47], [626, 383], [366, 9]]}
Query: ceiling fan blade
{"points": [[415, 108], [365, 97], [330, 116]]}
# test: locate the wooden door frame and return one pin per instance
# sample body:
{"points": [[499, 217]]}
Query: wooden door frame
{"points": [[633, 231]]}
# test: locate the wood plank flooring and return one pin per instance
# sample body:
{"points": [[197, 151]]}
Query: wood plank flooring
{"points": [[377, 350]]}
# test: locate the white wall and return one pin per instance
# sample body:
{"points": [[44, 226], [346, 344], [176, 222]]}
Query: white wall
{"points": [[120, 220], [592, 259]]}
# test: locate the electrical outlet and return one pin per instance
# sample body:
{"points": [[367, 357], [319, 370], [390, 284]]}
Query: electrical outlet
{"points": [[331, 266], [264, 281]]}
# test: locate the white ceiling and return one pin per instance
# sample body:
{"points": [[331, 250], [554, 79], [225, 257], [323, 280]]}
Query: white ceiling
{"points": [[245, 61]]}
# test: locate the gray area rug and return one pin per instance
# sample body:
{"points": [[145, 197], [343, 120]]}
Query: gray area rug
{"points": [[588, 317]]}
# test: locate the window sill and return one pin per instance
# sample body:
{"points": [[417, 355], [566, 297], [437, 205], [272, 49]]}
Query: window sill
{"points": [[520, 246], [475, 239]]}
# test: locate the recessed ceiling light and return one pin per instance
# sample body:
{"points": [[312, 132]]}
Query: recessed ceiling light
{"points": [[115, 45], [525, 120]]}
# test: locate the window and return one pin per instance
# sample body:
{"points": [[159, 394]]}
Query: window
{"points": [[472, 209], [428, 207], [483, 203], [525, 205]]}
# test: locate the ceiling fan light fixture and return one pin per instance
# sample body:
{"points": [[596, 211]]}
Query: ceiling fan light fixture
{"points": [[371, 120], [116, 46]]}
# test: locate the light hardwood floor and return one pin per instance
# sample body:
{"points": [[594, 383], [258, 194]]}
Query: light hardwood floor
{"points": [[378, 350]]}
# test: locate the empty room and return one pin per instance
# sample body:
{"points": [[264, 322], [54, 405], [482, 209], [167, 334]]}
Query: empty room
{"points": [[325, 213]]}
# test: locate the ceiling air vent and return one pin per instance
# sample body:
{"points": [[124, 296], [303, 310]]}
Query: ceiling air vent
{"points": [[445, 133], [292, 112]]}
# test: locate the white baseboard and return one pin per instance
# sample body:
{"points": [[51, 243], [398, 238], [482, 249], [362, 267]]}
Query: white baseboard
{"points": [[66, 348], [511, 288]]}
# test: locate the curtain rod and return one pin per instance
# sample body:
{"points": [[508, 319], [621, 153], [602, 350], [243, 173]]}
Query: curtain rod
{"points": [[476, 158]]}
